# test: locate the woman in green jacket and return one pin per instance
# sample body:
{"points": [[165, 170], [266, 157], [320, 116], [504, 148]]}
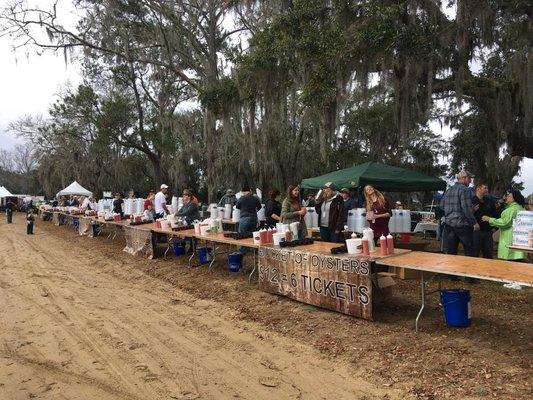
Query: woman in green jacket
{"points": [[292, 211], [514, 202]]}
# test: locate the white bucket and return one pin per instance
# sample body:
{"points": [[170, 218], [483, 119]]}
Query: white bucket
{"points": [[227, 211], [278, 237], [308, 217], [315, 219], [257, 238], [354, 246], [220, 213], [236, 215], [294, 229], [280, 227]]}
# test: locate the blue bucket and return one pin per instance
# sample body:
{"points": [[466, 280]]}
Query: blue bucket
{"points": [[235, 262], [456, 307], [205, 255], [179, 248]]}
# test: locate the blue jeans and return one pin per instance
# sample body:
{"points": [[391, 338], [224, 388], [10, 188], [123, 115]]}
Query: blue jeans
{"points": [[456, 235], [247, 224], [328, 235]]}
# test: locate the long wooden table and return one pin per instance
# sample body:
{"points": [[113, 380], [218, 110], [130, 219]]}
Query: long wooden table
{"points": [[433, 265]]}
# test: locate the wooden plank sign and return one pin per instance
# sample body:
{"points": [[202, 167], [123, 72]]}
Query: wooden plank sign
{"points": [[339, 283]]}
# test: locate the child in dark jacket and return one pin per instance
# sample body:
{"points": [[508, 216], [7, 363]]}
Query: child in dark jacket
{"points": [[29, 222]]}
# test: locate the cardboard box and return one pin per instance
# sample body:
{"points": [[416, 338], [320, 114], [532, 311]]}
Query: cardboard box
{"points": [[405, 273], [385, 286]]}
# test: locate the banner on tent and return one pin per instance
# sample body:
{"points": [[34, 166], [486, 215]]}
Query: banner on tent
{"points": [[138, 242], [337, 283]]}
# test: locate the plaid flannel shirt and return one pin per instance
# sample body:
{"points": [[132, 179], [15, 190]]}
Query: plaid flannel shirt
{"points": [[457, 206]]}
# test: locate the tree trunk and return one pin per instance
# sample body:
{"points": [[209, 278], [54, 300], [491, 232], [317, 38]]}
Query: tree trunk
{"points": [[157, 170], [209, 137]]}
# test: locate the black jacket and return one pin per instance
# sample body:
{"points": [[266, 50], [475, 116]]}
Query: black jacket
{"points": [[336, 213]]}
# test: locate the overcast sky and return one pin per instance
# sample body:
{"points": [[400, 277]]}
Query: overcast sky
{"points": [[30, 83]]}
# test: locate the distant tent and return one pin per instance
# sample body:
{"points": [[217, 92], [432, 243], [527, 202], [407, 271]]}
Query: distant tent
{"points": [[74, 189], [381, 176], [4, 192]]}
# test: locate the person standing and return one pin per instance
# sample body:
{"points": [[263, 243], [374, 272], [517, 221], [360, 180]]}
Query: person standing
{"points": [[514, 202], [459, 220], [117, 205], [30, 219], [149, 201], [273, 208], [378, 211], [160, 202], [330, 210], [349, 203], [189, 210], [482, 238], [10, 207], [249, 206], [292, 211]]}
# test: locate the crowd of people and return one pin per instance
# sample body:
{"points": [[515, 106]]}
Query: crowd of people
{"points": [[468, 215], [472, 217]]}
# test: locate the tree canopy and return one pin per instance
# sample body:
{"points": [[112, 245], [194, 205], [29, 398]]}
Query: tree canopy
{"points": [[212, 94]]}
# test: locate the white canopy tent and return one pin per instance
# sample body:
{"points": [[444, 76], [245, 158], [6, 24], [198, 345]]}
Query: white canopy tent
{"points": [[74, 189], [4, 192]]}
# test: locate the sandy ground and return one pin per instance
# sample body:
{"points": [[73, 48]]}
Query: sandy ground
{"points": [[80, 322]]}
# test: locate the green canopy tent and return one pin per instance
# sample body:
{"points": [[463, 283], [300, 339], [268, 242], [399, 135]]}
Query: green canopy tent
{"points": [[381, 176]]}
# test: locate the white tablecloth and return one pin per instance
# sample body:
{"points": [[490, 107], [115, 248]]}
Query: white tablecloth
{"points": [[425, 226]]}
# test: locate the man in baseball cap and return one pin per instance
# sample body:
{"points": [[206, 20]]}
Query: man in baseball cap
{"points": [[160, 202], [349, 203]]}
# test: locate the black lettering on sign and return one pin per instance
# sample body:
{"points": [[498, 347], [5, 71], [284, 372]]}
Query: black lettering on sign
{"points": [[363, 295], [351, 289], [365, 268], [345, 264], [262, 272], [339, 290], [315, 280], [327, 288], [294, 282], [334, 282], [274, 278]]}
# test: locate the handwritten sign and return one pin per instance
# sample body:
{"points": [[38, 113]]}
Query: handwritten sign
{"points": [[138, 242], [336, 283]]}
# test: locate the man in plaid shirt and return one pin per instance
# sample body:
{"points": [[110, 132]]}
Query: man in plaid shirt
{"points": [[459, 219]]}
